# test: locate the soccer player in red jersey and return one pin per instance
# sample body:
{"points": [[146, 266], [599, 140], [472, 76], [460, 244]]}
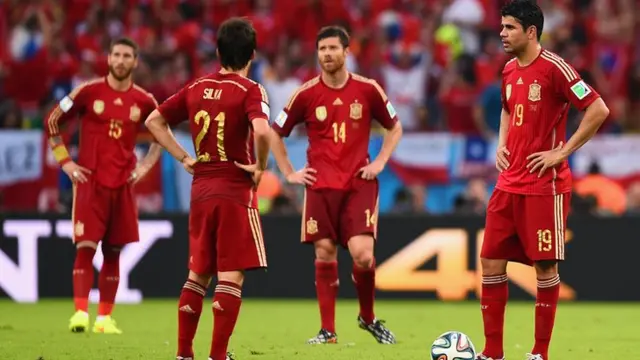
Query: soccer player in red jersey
{"points": [[226, 112], [341, 195], [111, 111], [527, 213]]}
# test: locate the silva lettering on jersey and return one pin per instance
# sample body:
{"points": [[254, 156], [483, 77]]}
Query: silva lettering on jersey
{"points": [[66, 104], [580, 89], [391, 110], [265, 109], [281, 119]]}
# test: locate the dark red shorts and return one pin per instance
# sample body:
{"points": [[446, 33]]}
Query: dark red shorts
{"points": [[340, 215], [224, 235], [102, 213], [525, 228]]}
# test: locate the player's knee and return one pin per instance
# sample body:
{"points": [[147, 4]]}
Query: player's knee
{"points": [[326, 250], [546, 269], [236, 277], [202, 279], [491, 267], [111, 254], [363, 259]]}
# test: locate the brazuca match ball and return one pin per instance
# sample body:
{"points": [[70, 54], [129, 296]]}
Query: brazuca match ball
{"points": [[453, 345]]}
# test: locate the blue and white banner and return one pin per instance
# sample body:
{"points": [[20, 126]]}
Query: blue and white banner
{"points": [[21, 156]]}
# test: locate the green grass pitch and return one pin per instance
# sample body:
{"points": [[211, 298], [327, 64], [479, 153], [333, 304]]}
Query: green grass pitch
{"points": [[271, 329]]}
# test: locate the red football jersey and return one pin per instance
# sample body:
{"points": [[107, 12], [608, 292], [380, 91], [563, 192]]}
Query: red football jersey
{"points": [[220, 109], [538, 97], [110, 122], [338, 123]]}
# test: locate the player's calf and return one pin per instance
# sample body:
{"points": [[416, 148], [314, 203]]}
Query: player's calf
{"points": [[364, 274], [226, 307], [493, 302], [189, 311], [327, 284], [547, 296], [82, 283]]}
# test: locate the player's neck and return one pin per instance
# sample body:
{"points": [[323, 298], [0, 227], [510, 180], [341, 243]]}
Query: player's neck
{"points": [[336, 80], [119, 85], [529, 55], [244, 72]]}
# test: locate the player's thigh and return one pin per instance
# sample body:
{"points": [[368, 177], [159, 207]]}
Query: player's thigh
{"points": [[500, 235], [543, 224], [359, 215], [203, 217], [320, 209], [123, 225], [240, 243], [90, 212]]}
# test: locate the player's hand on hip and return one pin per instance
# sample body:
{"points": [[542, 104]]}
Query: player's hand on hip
{"points": [[76, 173], [188, 163], [138, 173], [371, 170], [501, 159], [304, 176], [256, 174], [543, 160]]}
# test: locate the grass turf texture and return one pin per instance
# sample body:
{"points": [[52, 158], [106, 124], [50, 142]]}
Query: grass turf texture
{"points": [[271, 329]]}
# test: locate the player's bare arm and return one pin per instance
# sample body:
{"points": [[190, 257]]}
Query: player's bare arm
{"points": [[303, 176], [161, 131], [261, 130], [593, 118], [502, 163], [143, 167], [389, 143]]}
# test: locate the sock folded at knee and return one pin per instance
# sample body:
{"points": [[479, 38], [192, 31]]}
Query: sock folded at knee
{"points": [[365, 281], [493, 301], [83, 277], [226, 307], [108, 280], [189, 311], [546, 305], [327, 284]]}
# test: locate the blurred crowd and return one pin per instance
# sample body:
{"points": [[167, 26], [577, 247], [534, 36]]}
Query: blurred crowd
{"points": [[438, 60]]}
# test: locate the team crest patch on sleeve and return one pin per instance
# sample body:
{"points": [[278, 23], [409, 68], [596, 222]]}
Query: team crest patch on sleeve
{"points": [[281, 119], [391, 110], [66, 104], [265, 109], [580, 89]]}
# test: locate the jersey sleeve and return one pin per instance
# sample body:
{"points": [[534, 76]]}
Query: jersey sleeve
{"points": [[69, 107], [174, 109], [381, 108], [291, 115], [568, 83], [256, 103]]}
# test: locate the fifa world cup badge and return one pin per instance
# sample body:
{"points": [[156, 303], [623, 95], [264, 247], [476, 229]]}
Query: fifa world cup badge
{"points": [[312, 226], [355, 111], [507, 90], [534, 92], [98, 106], [321, 113], [134, 113]]}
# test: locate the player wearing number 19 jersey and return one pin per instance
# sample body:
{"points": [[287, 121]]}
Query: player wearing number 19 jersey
{"points": [[338, 109], [527, 213], [225, 111]]}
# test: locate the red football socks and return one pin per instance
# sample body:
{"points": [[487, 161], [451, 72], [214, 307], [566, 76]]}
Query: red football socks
{"points": [[546, 305], [327, 290], [189, 310], [83, 277], [108, 280], [495, 292], [226, 307], [365, 279]]}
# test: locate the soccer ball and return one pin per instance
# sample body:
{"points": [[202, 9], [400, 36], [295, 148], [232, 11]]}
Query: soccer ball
{"points": [[453, 345]]}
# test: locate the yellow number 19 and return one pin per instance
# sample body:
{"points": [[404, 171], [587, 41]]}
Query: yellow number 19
{"points": [[519, 115], [544, 240], [203, 116], [339, 132]]}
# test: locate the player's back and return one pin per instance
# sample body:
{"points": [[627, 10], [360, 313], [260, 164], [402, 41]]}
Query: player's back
{"points": [[222, 135]]}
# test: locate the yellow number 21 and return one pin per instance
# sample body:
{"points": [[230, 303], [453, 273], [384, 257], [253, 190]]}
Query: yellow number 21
{"points": [[517, 120], [339, 132], [203, 116]]}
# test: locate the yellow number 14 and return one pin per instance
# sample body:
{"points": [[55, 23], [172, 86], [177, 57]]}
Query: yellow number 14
{"points": [[339, 132]]}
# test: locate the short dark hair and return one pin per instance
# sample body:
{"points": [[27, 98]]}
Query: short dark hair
{"points": [[126, 42], [236, 43], [527, 13], [333, 31]]}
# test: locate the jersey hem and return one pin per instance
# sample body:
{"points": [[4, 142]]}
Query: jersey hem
{"points": [[536, 193]]}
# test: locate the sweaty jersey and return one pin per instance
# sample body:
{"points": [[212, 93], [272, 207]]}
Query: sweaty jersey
{"points": [[338, 123], [537, 98], [220, 109], [109, 125]]}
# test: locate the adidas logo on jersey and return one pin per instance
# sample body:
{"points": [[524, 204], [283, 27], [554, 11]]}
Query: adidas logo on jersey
{"points": [[520, 82], [337, 102]]}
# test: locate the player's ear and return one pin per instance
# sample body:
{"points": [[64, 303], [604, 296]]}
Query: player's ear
{"points": [[532, 32]]}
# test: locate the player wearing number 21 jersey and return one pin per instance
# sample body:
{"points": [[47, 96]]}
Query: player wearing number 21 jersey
{"points": [[527, 212], [226, 111], [341, 197]]}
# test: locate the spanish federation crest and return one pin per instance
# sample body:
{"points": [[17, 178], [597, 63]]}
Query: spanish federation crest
{"points": [[321, 113], [98, 106], [312, 226], [355, 111], [78, 228], [507, 91], [534, 92], [134, 113]]}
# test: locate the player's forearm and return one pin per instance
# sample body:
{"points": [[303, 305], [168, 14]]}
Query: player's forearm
{"points": [[593, 118], [60, 152], [153, 155], [160, 130], [504, 129], [389, 143], [279, 150]]}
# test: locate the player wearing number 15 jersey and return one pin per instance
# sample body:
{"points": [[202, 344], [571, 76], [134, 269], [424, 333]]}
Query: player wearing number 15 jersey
{"points": [[226, 111], [341, 206], [527, 213], [111, 111]]}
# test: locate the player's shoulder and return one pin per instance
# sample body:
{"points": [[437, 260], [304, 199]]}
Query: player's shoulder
{"points": [[232, 80], [553, 62], [369, 85], [303, 90], [143, 94], [89, 85], [509, 66]]}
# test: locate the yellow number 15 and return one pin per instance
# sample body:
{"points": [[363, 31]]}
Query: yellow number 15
{"points": [[203, 116], [519, 114]]}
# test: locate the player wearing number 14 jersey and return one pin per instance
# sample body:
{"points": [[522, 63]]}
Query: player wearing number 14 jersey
{"points": [[341, 206], [111, 111], [226, 111], [527, 213]]}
